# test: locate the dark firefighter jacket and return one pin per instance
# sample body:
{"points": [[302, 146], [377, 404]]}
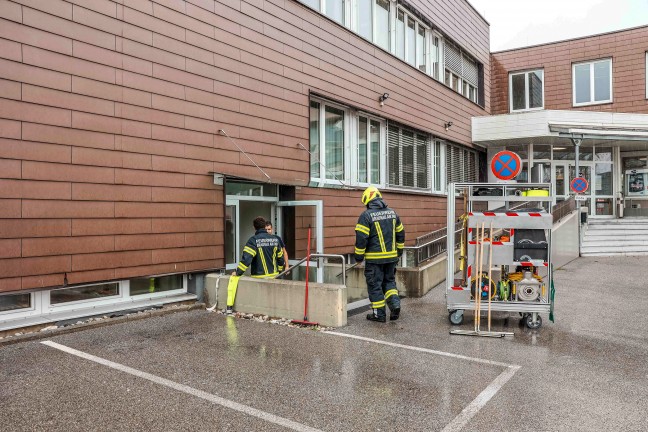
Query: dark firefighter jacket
{"points": [[263, 254], [380, 235]]}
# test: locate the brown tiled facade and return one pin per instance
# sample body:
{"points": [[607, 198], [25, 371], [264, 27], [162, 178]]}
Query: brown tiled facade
{"points": [[110, 114], [626, 48]]}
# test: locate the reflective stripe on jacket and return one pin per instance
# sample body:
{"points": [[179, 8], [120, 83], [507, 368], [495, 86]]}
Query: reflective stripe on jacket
{"points": [[263, 255], [380, 235]]}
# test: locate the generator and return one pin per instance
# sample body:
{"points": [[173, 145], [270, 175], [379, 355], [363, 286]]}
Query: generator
{"points": [[506, 234]]}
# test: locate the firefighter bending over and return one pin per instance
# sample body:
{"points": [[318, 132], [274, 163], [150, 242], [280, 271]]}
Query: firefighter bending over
{"points": [[262, 254], [380, 239]]}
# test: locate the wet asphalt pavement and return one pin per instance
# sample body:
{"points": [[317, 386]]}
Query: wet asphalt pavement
{"points": [[588, 371]]}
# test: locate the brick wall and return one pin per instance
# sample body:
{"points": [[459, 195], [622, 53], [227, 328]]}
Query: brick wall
{"points": [[110, 112], [626, 48]]}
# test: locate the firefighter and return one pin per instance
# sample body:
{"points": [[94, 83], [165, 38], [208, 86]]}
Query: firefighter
{"points": [[262, 254], [380, 239]]}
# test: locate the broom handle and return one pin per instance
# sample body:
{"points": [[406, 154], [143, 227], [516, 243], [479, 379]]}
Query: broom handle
{"points": [[480, 280], [307, 266], [490, 266]]}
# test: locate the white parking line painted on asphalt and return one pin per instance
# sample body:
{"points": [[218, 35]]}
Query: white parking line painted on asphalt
{"points": [[186, 389], [478, 403], [425, 350], [482, 398]]}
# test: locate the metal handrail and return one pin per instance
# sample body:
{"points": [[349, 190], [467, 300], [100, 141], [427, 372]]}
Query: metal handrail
{"points": [[563, 208], [303, 260]]}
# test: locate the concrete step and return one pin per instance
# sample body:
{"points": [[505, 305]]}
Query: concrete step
{"points": [[604, 244], [593, 254], [614, 249], [618, 221], [618, 234], [616, 228]]}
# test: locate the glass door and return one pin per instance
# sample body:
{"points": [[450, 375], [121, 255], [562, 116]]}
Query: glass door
{"points": [[294, 218], [560, 181], [585, 171], [239, 215]]}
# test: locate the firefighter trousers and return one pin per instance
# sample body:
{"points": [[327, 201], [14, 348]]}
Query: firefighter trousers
{"points": [[381, 285]]}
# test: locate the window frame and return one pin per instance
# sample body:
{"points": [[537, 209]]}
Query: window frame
{"points": [[429, 164], [355, 148], [321, 157], [592, 101], [526, 90]]}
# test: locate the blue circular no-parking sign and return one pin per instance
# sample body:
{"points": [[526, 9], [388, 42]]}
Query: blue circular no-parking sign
{"points": [[506, 165], [579, 185]]}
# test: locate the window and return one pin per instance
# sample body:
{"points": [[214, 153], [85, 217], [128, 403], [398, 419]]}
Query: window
{"points": [[382, 24], [410, 40], [420, 49], [154, 285], [409, 158], [347, 147], [328, 138], [592, 82], [461, 71], [84, 293], [335, 9], [364, 18], [435, 56], [14, 302], [462, 164], [400, 35], [526, 90], [369, 150]]}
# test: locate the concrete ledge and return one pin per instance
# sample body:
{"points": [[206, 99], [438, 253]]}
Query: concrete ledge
{"points": [[281, 299]]}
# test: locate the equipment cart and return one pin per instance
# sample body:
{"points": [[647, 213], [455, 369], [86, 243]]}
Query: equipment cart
{"points": [[515, 221]]}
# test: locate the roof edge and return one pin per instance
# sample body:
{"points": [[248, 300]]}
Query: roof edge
{"points": [[478, 13], [570, 39]]}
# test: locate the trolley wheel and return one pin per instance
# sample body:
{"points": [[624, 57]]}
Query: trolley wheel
{"points": [[528, 321], [456, 317]]}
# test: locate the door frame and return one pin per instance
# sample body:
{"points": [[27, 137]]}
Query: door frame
{"points": [[319, 226]]}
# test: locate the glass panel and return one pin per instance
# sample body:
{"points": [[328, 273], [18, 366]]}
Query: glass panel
{"points": [[400, 35], [411, 41], [517, 88], [382, 24], [437, 166], [362, 149], [315, 139], [335, 10], [564, 153], [250, 189], [393, 139], [374, 134], [456, 83], [230, 234], [435, 54], [535, 89], [604, 207], [334, 147], [365, 25], [584, 171], [521, 150], [448, 78], [603, 154], [15, 301], [152, 285], [408, 158], [93, 292], [561, 182], [602, 81], [586, 153], [541, 151], [420, 49], [582, 83], [315, 4], [604, 179], [421, 162]]}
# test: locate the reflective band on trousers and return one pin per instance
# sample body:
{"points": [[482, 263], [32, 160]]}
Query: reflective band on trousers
{"points": [[390, 293], [378, 304]]}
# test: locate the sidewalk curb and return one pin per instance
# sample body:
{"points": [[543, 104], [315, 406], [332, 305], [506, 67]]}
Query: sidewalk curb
{"points": [[36, 332]]}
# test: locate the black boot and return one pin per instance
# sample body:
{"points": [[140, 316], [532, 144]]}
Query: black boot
{"points": [[378, 315], [394, 314]]}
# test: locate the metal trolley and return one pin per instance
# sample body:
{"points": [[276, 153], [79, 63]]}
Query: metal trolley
{"points": [[513, 219]]}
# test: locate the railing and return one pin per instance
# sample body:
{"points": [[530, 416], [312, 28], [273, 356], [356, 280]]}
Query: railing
{"points": [[303, 260], [429, 246], [563, 208]]}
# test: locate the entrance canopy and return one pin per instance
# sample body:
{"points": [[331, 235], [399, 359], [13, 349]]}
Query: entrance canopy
{"points": [[557, 128]]}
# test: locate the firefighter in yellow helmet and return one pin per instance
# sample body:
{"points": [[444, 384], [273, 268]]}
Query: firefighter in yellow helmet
{"points": [[380, 239]]}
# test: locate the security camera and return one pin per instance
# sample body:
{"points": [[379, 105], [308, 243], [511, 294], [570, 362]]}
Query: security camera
{"points": [[383, 98], [447, 125]]}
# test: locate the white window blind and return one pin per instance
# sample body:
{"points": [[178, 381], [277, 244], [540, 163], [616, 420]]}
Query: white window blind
{"points": [[409, 158], [461, 164]]}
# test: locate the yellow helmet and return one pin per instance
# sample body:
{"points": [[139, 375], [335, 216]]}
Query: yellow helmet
{"points": [[370, 194]]}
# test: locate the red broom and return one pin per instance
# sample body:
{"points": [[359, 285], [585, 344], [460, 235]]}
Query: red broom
{"points": [[305, 320]]}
